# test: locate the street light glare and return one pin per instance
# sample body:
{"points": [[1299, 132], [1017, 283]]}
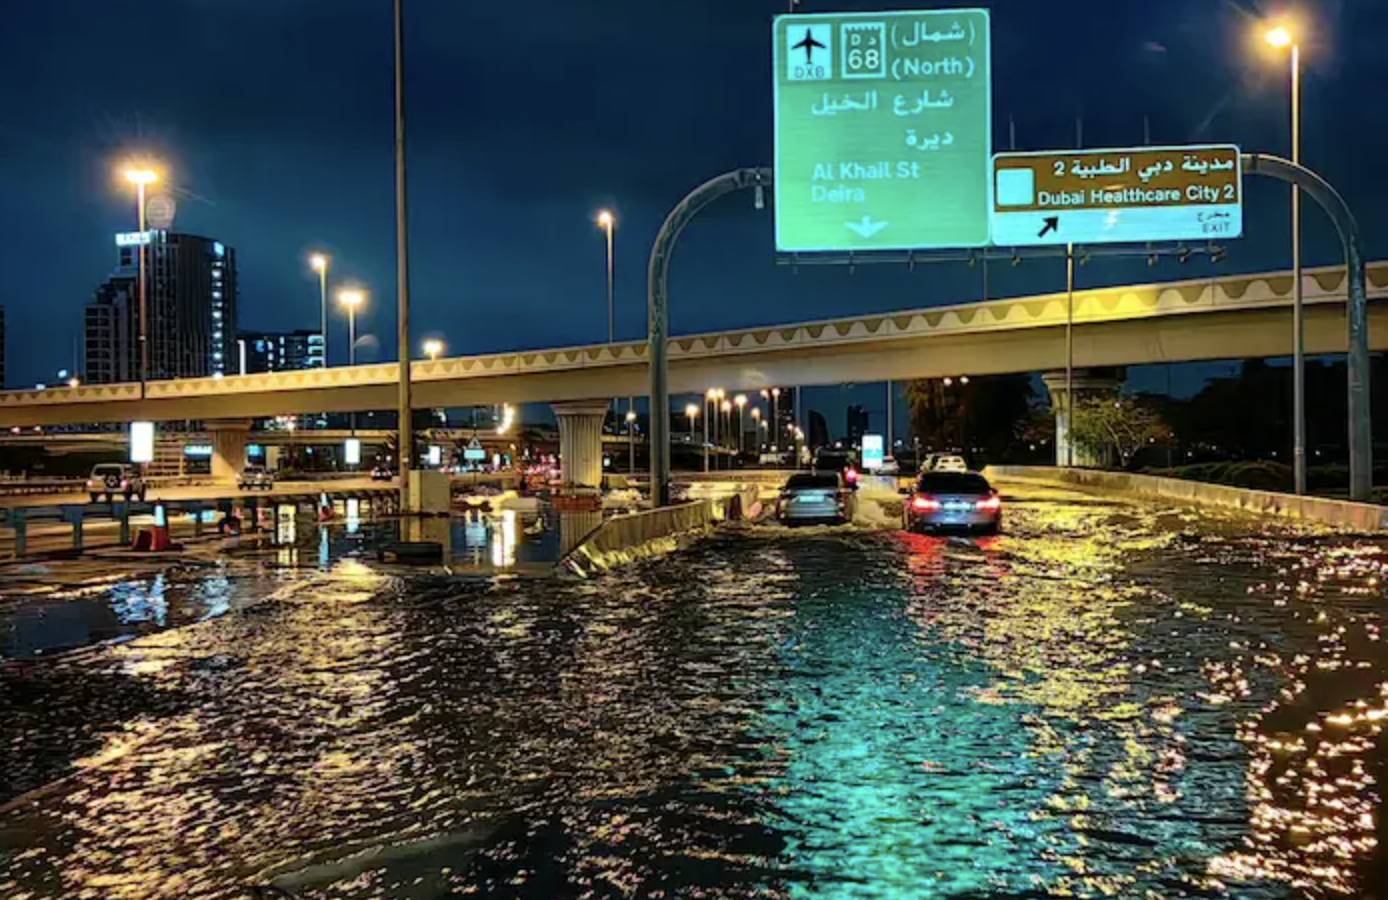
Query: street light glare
{"points": [[433, 347], [351, 298], [606, 219], [141, 176], [318, 261], [1280, 37], [691, 410]]}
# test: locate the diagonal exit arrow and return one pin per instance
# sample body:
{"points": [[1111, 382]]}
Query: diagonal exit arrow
{"points": [[1052, 224], [866, 228]]}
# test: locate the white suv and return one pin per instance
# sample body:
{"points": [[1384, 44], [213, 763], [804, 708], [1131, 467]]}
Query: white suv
{"points": [[112, 479], [947, 462]]}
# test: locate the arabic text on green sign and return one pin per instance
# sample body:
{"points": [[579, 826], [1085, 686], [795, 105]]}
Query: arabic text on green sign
{"points": [[883, 130]]}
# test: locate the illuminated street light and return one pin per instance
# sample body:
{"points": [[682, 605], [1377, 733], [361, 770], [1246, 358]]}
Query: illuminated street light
{"points": [[631, 441], [432, 348], [319, 263], [1281, 37], [607, 222], [142, 177], [352, 299]]}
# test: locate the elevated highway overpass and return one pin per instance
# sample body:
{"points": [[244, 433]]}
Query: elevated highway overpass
{"points": [[1205, 319]]}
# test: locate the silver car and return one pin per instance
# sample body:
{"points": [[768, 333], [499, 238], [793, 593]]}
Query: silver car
{"points": [[950, 500], [816, 498]]}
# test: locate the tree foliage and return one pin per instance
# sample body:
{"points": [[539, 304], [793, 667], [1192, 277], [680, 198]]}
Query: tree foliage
{"points": [[983, 413], [1117, 426]]}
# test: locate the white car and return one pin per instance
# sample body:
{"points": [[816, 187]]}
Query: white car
{"points": [[112, 480], [947, 462]]}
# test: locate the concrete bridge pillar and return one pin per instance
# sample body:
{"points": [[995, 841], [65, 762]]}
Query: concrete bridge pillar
{"points": [[1087, 383], [580, 442], [229, 440]]}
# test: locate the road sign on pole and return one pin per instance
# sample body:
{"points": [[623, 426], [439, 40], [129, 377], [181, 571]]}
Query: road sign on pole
{"points": [[1117, 196], [883, 130]]}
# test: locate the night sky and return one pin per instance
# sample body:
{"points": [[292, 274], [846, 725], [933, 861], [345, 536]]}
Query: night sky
{"points": [[274, 121]]}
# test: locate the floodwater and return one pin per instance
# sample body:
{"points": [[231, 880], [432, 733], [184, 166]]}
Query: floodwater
{"points": [[1109, 700]]}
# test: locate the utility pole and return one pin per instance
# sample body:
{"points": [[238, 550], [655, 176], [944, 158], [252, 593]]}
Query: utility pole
{"points": [[402, 266]]}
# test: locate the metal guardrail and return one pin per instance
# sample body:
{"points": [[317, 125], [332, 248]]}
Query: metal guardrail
{"points": [[17, 520]]}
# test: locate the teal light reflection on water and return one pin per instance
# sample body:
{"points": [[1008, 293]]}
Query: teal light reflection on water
{"points": [[895, 783]]}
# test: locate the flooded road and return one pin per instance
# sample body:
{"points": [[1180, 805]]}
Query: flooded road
{"points": [[1108, 700]]}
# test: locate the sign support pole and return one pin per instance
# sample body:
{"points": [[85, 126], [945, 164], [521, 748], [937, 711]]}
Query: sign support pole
{"points": [[1361, 448], [658, 312], [1069, 355]]}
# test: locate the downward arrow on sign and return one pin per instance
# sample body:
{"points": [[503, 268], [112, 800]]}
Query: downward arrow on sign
{"points": [[866, 228]]}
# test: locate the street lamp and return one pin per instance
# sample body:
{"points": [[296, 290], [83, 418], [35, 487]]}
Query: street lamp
{"points": [[432, 348], [1281, 37], [756, 424], [141, 177], [631, 441], [607, 222], [727, 408], [352, 299], [775, 415], [741, 401], [691, 412], [319, 263]]}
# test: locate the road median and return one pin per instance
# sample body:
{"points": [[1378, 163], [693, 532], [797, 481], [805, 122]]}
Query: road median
{"points": [[1360, 517]]}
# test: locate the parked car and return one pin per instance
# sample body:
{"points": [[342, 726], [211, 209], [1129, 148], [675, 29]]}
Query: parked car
{"points": [[816, 497], [382, 473], [839, 462], [255, 478], [111, 479], [963, 500]]}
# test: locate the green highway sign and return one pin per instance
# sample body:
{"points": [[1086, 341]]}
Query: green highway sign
{"points": [[884, 130]]}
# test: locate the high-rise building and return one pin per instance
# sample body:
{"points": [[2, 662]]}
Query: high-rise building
{"points": [[109, 334], [857, 423], [2, 348], [190, 310], [277, 351]]}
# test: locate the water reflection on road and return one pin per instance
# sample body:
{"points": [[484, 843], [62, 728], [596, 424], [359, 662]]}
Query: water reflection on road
{"points": [[1109, 700]]}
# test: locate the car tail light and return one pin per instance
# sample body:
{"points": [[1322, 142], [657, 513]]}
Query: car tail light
{"points": [[850, 475], [124, 484], [924, 504], [992, 504]]}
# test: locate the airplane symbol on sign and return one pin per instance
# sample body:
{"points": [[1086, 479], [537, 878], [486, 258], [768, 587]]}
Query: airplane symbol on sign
{"points": [[809, 43]]}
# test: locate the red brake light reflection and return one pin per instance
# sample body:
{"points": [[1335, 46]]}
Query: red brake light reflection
{"points": [[992, 504], [924, 503]]}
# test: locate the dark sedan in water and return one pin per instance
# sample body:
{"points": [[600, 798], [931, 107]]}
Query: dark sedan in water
{"points": [[816, 498], [953, 500]]}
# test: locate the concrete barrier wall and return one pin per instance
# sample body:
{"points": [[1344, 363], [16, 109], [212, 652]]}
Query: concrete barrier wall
{"points": [[1364, 517], [624, 539]]}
